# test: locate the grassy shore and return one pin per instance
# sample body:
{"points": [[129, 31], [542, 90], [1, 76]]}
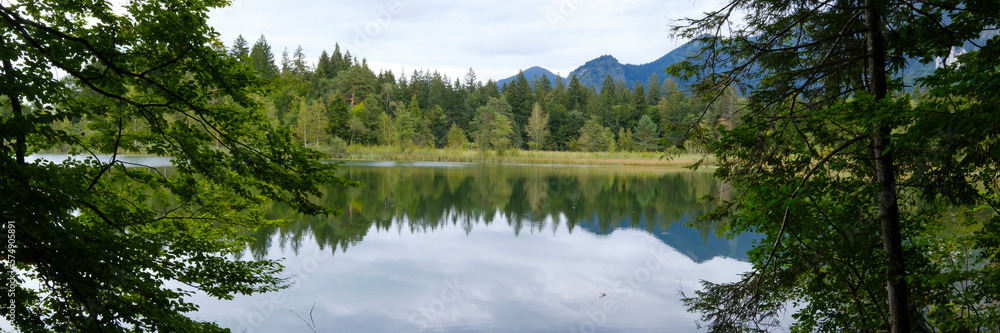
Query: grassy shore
{"points": [[387, 153], [384, 153]]}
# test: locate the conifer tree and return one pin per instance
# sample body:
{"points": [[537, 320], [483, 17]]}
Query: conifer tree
{"points": [[262, 59], [240, 49]]}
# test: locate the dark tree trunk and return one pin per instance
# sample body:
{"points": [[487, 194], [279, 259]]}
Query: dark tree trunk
{"points": [[888, 208], [20, 145]]}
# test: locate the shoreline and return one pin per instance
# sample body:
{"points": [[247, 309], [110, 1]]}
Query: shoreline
{"points": [[514, 156], [384, 153]]}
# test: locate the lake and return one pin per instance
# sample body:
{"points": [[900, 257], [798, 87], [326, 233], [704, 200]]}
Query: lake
{"points": [[450, 247], [445, 247]]}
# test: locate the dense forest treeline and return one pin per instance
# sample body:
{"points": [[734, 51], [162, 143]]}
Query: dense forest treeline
{"points": [[339, 100]]}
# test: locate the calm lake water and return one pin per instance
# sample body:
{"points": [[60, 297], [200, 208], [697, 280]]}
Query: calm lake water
{"points": [[436, 247], [445, 247]]}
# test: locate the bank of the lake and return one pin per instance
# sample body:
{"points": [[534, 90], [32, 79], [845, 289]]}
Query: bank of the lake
{"points": [[517, 156], [514, 156]]}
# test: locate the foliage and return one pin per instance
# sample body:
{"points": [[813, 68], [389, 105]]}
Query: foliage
{"points": [[407, 123], [457, 138], [356, 127], [647, 134], [594, 137], [348, 88], [537, 127], [852, 188], [102, 236], [262, 58], [493, 129], [625, 140], [337, 148], [312, 123]]}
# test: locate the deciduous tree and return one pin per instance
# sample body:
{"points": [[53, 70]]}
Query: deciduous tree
{"points": [[101, 236], [537, 127]]}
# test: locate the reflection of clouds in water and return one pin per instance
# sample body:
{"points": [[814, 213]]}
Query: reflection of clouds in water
{"points": [[549, 281], [149, 161]]}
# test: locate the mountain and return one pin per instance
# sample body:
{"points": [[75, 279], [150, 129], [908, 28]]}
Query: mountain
{"points": [[593, 72], [532, 74]]}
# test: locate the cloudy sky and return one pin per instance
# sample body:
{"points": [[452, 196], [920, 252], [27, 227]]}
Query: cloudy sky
{"points": [[496, 38]]}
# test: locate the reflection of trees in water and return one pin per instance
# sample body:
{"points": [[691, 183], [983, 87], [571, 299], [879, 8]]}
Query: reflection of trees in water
{"points": [[529, 198]]}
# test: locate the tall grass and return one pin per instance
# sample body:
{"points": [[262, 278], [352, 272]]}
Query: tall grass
{"points": [[388, 153]]}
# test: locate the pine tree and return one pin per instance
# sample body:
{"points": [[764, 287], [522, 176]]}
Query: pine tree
{"points": [[408, 124], [436, 122], [491, 90], [520, 97], [609, 96], [262, 59], [337, 59], [324, 68], [655, 90], [286, 63], [647, 135], [338, 113], [542, 88], [593, 136], [471, 82], [299, 64], [240, 49], [577, 95]]}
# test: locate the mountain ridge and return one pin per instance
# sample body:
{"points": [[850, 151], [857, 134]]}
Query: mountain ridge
{"points": [[593, 72]]}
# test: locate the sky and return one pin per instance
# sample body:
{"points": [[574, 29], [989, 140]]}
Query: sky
{"points": [[496, 38]]}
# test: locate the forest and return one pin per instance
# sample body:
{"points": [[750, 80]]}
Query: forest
{"points": [[340, 101], [876, 202]]}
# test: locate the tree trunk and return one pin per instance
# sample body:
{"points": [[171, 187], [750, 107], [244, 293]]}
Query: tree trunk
{"points": [[888, 208], [20, 144]]}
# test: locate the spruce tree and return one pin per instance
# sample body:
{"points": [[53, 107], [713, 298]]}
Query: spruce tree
{"points": [[240, 49], [324, 68], [262, 59]]}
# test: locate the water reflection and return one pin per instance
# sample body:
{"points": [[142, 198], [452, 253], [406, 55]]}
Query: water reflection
{"points": [[529, 199], [464, 247], [458, 247]]}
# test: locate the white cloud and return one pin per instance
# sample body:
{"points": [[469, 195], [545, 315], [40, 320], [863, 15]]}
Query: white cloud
{"points": [[496, 37], [487, 280]]}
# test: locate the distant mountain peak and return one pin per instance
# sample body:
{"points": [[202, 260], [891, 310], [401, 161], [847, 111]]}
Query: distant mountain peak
{"points": [[533, 73], [593, 72]]}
